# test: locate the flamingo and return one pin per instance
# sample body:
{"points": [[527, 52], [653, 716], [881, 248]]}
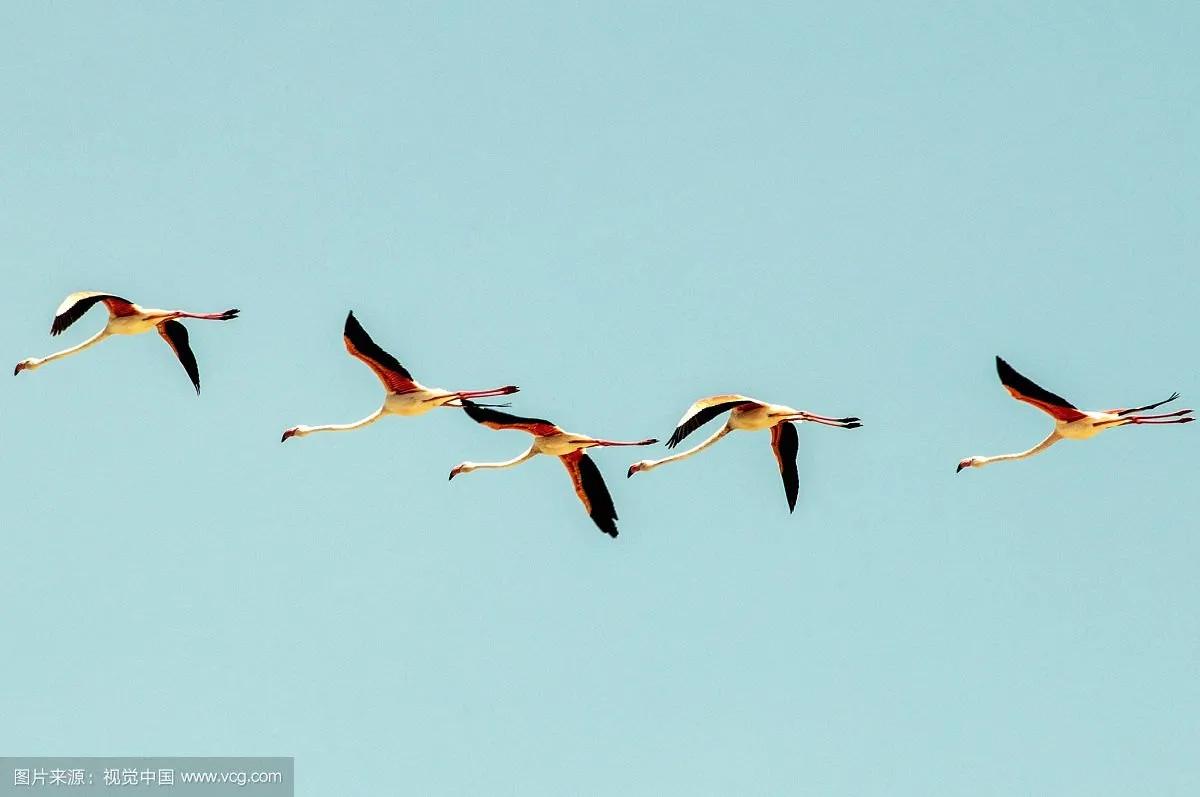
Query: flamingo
{"points": [[549, 438], [748, 414], [405, 396], [125, 318], [1070, 422]]}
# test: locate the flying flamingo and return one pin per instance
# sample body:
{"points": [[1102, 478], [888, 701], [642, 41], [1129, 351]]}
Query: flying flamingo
{"points": [[125, 318], [1070, 423], [548, 438], [405, 396], [751, 415]]}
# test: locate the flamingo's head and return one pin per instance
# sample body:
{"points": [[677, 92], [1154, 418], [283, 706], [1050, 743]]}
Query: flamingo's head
{"points": [[969, 462], [26, 365], [465, 467], [638, 467], [295, 431]]}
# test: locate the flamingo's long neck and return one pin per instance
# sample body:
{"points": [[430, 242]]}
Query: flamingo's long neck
{"points": [[654, 463], [517, 460], [1053, 438], [92, 341], [348, 427]]}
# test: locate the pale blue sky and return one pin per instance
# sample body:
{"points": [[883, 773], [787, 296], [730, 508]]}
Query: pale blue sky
{"points": [[619, 208]]}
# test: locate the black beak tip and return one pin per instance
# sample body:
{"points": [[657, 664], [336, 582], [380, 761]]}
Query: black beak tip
{"points": [[959, 468]]}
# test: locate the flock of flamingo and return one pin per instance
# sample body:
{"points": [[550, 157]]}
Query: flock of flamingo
{"points": [[406, 396]]}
